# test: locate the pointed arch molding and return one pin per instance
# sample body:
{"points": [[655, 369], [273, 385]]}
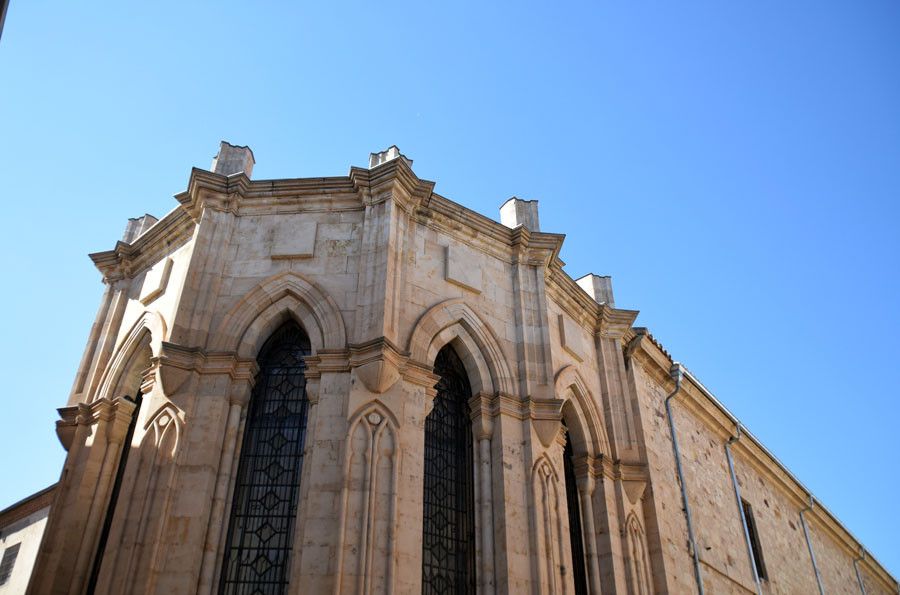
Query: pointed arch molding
{"points": [[287, 295], [547, 526], [453, 321], [365, 562], [569, 381], [149, 323], [637, 557]]}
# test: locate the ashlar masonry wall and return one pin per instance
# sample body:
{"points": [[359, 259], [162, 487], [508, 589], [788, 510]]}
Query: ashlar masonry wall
{"points": [[775, 497], [382, 273]]}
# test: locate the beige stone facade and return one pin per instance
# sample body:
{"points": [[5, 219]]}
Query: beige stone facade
{"points": [[381, 273]]}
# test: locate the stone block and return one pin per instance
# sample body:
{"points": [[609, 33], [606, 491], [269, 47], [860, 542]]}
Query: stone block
{"points": [[571, 337], [294, 239], [463, 268], [233, 159], [155, 281]]}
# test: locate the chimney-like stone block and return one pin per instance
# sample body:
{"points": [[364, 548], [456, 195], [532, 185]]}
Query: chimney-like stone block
{"points": [[136, 226], [599, 288], [389, 154], [516, 212], [233, 159]]}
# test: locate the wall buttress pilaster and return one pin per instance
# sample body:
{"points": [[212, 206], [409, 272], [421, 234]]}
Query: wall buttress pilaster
{"points": [[82, 496], [209, 258]]}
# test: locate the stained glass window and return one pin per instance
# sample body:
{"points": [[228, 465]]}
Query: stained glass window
{"points": [[267, 486], [448, 544]]}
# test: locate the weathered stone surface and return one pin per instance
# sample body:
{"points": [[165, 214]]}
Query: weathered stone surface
{"points": [[381, 273]]}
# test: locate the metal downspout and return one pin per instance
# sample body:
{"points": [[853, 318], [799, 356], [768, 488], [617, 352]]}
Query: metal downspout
{"points": [[740, 506], [677, 374], [862, 556], [812, 554]]}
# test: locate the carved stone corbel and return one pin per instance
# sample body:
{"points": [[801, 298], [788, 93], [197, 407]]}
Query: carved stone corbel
{"points": [[481, 410], [546, 418], [377, 364], [175, 365]]}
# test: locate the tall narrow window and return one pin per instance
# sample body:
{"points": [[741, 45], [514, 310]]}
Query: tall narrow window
{"points": [[448, 544], [9, 560], [268, 479], [575, 535], [754, 540]]}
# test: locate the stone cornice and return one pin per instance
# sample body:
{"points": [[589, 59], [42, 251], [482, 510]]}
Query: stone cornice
{"points": [[176, 363], [126, 260], [602, 319], [239, 195], [393, 180]]}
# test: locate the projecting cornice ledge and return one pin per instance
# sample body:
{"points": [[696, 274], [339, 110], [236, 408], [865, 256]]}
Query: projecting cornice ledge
{"points": [[613, 323], [126, 259], [392, 180], [209, 190]]}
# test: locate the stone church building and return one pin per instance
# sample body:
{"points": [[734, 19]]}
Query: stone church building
{"points": [[353, 385]]}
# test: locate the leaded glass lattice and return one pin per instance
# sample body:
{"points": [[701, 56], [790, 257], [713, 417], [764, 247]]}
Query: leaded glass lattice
{"points": [[448, 544], [575, 534], [268, 478]]}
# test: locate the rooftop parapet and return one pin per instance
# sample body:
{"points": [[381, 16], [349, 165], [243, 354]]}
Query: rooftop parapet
{"points": [[515, 212], [233, 159], [136, 226], [598, 287], [389, 154]]}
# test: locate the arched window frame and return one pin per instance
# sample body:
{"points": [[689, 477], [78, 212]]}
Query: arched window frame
{"points": [[577, 536], [453, 392], [245, 558], [584, 433]]}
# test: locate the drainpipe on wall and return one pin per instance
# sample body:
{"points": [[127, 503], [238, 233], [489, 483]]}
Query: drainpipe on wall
{"points": [[812, 554], [677, 374], [740, 506], [862, 556]]}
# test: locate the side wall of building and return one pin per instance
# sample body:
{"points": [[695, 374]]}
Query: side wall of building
{"points": [[775, 498]]}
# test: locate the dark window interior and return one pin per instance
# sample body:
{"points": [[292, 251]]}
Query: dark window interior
{"points": [[575, 533], [448, 535], [9, 560], [267, 486], [754, 540]]}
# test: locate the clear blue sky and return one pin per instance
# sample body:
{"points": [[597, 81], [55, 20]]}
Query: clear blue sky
{"points": [[735, 166]]}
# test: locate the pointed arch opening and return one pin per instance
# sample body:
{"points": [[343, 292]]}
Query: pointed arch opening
{"points": [[267, 486], [448, 543], [576, 532]]}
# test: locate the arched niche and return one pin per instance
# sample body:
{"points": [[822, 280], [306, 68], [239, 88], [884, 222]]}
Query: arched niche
{"points": [[286, 296], [581, 414], [455, 323], [133, 356]]}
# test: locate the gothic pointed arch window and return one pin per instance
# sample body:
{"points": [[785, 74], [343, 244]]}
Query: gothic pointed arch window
{"points": [[448, 544], [267, 486], [576, 540]]}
